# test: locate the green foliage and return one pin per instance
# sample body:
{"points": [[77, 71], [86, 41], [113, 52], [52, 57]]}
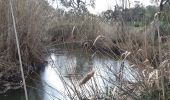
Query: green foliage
{"points": [[78, 6], [150, 94], [165, 21], [137, 16], [150, 12]]}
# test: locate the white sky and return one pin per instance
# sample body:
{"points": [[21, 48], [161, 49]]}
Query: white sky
{"points": [[103, 5]]}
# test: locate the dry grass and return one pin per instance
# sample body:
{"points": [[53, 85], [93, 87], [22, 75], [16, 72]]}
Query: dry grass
{"points": [[148, 61], [148, 57], [71, 28], [31, 17]]}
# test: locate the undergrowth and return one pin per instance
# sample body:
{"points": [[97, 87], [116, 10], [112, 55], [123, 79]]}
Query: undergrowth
{"points": [[40, 26]]}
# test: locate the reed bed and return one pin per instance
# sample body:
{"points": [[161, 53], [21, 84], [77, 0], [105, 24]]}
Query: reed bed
{"points": [[30, 18], [148, 63], [145, 57]]}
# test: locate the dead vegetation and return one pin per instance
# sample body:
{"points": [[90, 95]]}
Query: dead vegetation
{"points": [[39, 26], [30, 24]]}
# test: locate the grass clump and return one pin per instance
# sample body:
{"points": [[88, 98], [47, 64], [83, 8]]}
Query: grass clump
{"points": [[31, 17]]}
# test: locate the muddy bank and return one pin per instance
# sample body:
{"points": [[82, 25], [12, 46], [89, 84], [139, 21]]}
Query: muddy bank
{"points": [[10, 79]]}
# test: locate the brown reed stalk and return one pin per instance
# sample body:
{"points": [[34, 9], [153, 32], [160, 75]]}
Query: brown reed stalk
{"points": [[87, 77]]}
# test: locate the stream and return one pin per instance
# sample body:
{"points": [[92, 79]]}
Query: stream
{"points": [[63, 68]]}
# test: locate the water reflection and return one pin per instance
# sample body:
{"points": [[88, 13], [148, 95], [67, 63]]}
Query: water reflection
{"points": [[63, 70]]}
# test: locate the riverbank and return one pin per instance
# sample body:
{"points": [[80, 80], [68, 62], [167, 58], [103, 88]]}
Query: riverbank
{"points": [[11, 79], [42, 29]]}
